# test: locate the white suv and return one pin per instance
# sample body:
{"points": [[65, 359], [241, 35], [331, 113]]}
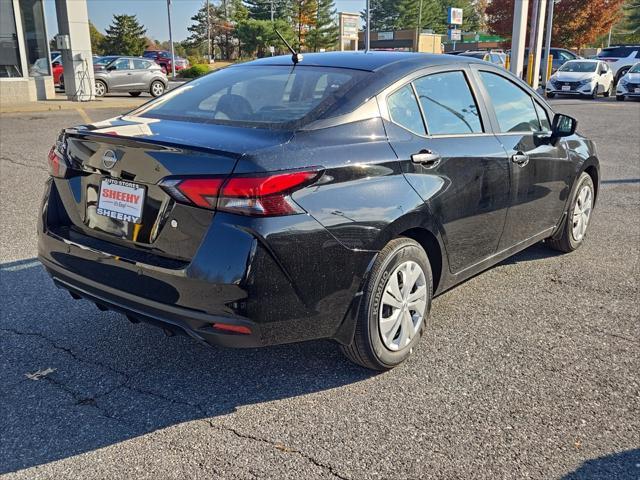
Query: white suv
{"points": [[620, 58]]}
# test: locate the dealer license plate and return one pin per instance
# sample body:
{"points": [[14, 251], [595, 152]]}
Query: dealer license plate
{"points": [[121, 200], [637, 90], [566, 88]]}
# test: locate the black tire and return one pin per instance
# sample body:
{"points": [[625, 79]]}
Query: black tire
{"points": [[101, 92], [566, 242], [155, 90], [594, 94], [620, 98], [367, 347], [551, 95], [135, 94], [609, 91]]}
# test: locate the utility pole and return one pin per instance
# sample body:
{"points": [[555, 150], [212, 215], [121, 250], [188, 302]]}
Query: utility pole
{"points": [[537, 52], [271, 11], [173, 55], [519, 33], [532, 41], [419, 27], [547, 42], [609, 40], [367, 35], [209, 31]]}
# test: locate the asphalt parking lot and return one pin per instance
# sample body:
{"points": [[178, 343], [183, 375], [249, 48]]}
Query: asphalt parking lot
{"points": [[530, 369]]}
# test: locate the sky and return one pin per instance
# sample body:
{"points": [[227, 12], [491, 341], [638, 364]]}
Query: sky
{"points": [[153, 14]]}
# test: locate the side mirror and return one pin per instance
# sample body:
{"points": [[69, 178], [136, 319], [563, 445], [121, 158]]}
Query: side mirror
{"points": [[563, 126]]}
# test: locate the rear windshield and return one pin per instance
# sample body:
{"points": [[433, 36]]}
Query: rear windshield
{"points": [[618, 52], [266, 96], [579, 67]]}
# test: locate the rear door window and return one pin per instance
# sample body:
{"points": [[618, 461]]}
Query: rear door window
{"points": [[404, 110], [513, 106], [140, 64], [448, 105]]}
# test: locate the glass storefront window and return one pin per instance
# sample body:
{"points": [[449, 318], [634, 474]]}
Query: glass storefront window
{"points": [[35, 38], [9, 52]]}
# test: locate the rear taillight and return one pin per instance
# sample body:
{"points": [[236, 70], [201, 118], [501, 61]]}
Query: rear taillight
{"points": [[58, 166], [256, 195]]}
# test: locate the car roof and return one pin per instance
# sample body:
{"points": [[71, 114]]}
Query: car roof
{"points": [[368, 61]]}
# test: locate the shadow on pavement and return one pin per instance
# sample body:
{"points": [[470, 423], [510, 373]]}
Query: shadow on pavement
{"points": [[74, 379], [619, 466]]}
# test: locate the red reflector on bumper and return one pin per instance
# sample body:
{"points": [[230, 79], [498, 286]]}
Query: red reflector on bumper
{"points": [[232, 328]]}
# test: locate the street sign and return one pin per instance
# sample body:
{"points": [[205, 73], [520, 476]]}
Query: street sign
{"points": [[455, 35], [455, 16], [385, 35]]}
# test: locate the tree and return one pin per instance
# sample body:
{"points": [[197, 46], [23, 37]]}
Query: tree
{"points": [[256, 36], [222, 22], [325, 32], [576, 23], [125, 36], [404, 14], [97, 40], [303, 16], [261, 9]]}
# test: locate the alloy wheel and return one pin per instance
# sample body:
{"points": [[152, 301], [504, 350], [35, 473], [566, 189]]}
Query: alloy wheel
{"points": [[100, 89], [582, 212], [157, 89], [402, 306]]}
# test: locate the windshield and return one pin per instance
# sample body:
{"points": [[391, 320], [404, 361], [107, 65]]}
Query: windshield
{"points": [[579, 67], [635, 68], [269, 96]]}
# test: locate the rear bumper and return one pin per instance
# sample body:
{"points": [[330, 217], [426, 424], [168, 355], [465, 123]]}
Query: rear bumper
{"points": [[198, 325], [286, 279]]}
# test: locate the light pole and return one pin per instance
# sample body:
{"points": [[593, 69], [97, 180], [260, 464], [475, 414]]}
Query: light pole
{"points": [[547, 43], [173, 56], [419, 27], [367, 35]]}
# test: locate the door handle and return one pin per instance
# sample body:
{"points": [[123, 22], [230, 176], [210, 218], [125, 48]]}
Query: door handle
{"points": [[426, 158], [520, 159]]}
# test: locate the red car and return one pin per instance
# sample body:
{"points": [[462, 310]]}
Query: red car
{"points": [[163, 58]]}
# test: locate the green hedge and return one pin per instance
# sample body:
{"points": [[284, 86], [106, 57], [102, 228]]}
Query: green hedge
{"points": [[195, 71]]}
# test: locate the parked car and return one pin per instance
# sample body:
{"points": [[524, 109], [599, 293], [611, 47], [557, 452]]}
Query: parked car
{"points": [[163, 58], [560, 57], [581, 77], [629, 84], [130, 74], [620, 58], [57, 71], [492, 57], [263, 204]]}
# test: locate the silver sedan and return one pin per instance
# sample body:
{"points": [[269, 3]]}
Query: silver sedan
{"points": [[130, 74]]}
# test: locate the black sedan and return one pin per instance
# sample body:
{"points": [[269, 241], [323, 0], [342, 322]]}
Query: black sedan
{"points": [[273, 202]]}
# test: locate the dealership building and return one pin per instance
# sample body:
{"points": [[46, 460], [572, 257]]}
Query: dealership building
{"points": [[25, 54]]}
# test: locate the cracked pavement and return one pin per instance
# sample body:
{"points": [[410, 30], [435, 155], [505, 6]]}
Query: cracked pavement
{"points": [[529, 370]]}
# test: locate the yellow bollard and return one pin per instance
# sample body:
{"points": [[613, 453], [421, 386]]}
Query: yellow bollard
{"points": [[549, 66], [507, 62], [530, 70]]}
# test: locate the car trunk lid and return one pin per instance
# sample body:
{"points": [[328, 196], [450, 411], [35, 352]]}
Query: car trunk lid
{"points": [[114, 194]]}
